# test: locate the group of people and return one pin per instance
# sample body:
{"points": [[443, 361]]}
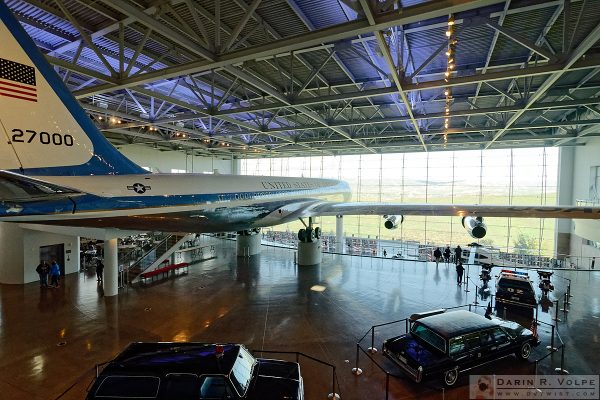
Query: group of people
{"points": [[46, 270], [437, 255], [53, 271]]}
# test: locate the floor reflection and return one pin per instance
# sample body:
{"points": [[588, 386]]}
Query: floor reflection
{"points": [[265, 302]]}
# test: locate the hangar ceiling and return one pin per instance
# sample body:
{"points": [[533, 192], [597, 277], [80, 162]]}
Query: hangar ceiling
{"points": [[279, 78]]}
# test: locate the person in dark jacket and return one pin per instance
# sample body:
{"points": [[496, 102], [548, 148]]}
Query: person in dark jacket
{"points": [[437, 255], [459, 272], [99, 270], [447, 254], [43, 269], [457, 254]]}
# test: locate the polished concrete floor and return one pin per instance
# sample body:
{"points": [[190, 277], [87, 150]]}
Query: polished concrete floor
{"points": [[51, 339]]}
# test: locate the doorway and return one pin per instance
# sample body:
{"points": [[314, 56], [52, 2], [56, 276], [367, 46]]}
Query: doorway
{"points": [[54, 252]]}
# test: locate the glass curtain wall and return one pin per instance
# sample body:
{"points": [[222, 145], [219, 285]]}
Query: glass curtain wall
{"points": [[503, 176]]}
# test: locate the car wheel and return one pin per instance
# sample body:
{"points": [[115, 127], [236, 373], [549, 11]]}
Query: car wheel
{"points": [[451, 376], [524, 351]]}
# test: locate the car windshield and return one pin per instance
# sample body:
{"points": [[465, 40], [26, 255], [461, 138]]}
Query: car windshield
{"points": [[429, 336], [241, 373]]}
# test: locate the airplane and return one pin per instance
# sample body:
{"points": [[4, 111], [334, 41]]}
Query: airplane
{"points": [[56, 168]]}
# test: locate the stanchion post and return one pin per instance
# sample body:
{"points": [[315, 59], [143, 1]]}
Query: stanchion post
{"points": [[562, 369], [372, 349], [476, 291], [333, 394], [357, 371], [565, 308], [467, 280], [387, 385], [551, 347], [569, 287], [556, 319], [568, 294]]}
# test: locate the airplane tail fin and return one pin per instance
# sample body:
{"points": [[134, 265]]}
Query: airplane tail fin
{"points": [[44, 130]]}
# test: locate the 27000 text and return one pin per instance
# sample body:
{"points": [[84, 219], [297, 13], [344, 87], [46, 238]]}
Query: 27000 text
{"points": [[29, 136]]}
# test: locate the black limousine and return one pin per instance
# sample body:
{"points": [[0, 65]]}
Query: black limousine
{"points": [[196, 371], [448, 343]]}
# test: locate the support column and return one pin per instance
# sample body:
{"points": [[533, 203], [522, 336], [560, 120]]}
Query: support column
{"points": [[111, 268], [339, 234], [566, 168], [248, 243], [309, 253]]}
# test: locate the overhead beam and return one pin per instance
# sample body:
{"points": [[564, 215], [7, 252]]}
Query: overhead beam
{"points": [[520, 39], [387, 55], [327, 35], [155, 25], [455, 113], [589, 62], [583, 47]]}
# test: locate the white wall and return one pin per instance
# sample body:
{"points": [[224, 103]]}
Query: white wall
{"points": [[33, 240], [11, 249], [20, 249], [164, 161], [584, 158]]}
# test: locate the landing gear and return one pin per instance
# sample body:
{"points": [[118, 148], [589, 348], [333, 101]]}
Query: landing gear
{"points": [[249, 232], [309, 244], [309, 234]]}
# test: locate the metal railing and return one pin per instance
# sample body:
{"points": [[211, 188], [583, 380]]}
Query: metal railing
{"points": [[152, 254], [333, 394]]}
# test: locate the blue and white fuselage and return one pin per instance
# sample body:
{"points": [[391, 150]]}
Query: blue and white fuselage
{"points": [[180, 202]]}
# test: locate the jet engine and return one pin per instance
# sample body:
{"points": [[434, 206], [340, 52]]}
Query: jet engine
{"points": [[393, 221], [475, 226]]}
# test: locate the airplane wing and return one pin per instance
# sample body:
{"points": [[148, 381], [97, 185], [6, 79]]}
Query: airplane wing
{"points": [[325, 209], [17, 188]]}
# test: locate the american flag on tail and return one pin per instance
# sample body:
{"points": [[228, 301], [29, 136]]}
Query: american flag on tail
{"points": [[17, 81]]}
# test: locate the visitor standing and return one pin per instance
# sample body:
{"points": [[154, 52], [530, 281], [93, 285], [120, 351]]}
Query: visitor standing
{"points": [[54, 274], [437, 254], [447, 254], [43, 269], [459, 272], [458, 255], [99, 270]]}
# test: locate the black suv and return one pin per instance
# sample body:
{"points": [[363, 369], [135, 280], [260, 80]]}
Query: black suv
{"points": [[513, 288], [449, 343], [196, 371]]}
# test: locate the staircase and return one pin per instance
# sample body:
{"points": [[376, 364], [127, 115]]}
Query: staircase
{"points": [[155, 255]]}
